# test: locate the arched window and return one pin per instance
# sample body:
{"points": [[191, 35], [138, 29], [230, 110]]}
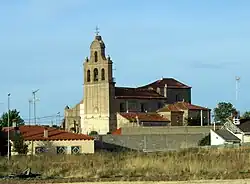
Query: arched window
{"points": [[95, 56], [88, 76], [103, 74], [95, 74]]}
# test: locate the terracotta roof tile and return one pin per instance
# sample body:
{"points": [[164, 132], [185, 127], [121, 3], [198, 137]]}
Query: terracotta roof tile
{"points": [[170, 82], [190, 106], [37, 133], [137, 93], [169, 108], [180, 106], [146, 117]]}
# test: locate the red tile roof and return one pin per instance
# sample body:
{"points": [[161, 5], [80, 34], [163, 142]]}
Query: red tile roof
{"points": [[180, 106], [146, 117], [190, 106], [170, 82], [137, 93], [169, 108], [35, 132]]}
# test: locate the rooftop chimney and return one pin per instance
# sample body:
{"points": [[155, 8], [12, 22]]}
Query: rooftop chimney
{"points": [[46, 133], [165, 90]]}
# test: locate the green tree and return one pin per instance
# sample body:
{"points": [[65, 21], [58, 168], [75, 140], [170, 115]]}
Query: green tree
{"points": [[93, 133], [206, 141], [223, 111], [246, 115], [14, 117], [19, 144]]}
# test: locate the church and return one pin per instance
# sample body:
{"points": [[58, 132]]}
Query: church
{"points": [[105, 106]]}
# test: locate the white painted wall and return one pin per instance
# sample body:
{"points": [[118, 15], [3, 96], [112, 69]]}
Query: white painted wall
{"points": [[86, 146], [246, 138], [216, 139]]}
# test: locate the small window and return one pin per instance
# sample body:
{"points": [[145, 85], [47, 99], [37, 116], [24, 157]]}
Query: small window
{"points": [[96, 58], [88, 76], [95, 74], [39, 150], [61, 150], [159, 105], [122, 107], [132, 106], [178, 98], [143, 107], [103, 74], [75, 150]]}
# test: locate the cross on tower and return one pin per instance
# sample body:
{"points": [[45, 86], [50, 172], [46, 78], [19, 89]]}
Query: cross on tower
{"points": [[97, 30]]}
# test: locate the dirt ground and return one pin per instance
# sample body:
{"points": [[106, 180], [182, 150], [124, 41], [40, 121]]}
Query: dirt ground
{"points": [[240, 181], [175, 182]]}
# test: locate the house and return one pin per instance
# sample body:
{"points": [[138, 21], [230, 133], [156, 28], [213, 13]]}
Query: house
{"points": [[222, 137], [42, 139], [242, 130], [141, 119], [183, 113], [244, 127], [103, 100]]}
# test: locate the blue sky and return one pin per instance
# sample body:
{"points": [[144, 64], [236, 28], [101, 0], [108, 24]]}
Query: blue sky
{"points": [[204, 44]]}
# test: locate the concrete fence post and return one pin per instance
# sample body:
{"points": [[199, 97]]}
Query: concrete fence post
{"points": [[145, 143]]}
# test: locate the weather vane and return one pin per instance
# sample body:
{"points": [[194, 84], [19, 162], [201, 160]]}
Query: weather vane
{"points": [[97, 30]]}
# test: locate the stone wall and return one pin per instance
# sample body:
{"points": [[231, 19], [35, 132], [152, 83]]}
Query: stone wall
{"points": [[166, 130], [149, 143]]}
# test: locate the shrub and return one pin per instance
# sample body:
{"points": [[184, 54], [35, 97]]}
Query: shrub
{"points": [[205, 141], [93, 133], [19, 145]]}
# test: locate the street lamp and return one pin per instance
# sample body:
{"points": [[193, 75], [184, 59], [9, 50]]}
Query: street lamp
{"points": [[34, 101], [8, 126]]}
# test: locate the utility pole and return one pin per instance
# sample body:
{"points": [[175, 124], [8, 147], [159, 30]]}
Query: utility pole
{"points": [[201, 117], [30, 102], [34, 101], [8, 126], [58, 115]]}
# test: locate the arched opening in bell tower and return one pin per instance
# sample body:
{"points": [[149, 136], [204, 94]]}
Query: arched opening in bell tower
{"points": [[96, 57], [103, 74], [95, 74], [88, 76]]}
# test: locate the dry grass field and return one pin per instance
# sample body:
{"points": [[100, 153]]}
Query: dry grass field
{"points": [[240, 181], [186, 165]]}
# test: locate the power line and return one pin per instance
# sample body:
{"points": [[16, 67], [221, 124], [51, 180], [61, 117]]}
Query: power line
{"points": [[44, 117]]}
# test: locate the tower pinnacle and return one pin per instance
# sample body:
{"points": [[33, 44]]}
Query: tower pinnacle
{"points": [[97, 31]]}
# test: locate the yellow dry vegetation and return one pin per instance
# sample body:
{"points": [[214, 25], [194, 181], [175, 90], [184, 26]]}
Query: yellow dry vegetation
{"points": [[193, 164]]}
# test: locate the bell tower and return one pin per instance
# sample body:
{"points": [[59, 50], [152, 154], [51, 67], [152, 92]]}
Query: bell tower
{"points": [[99, 90]]}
